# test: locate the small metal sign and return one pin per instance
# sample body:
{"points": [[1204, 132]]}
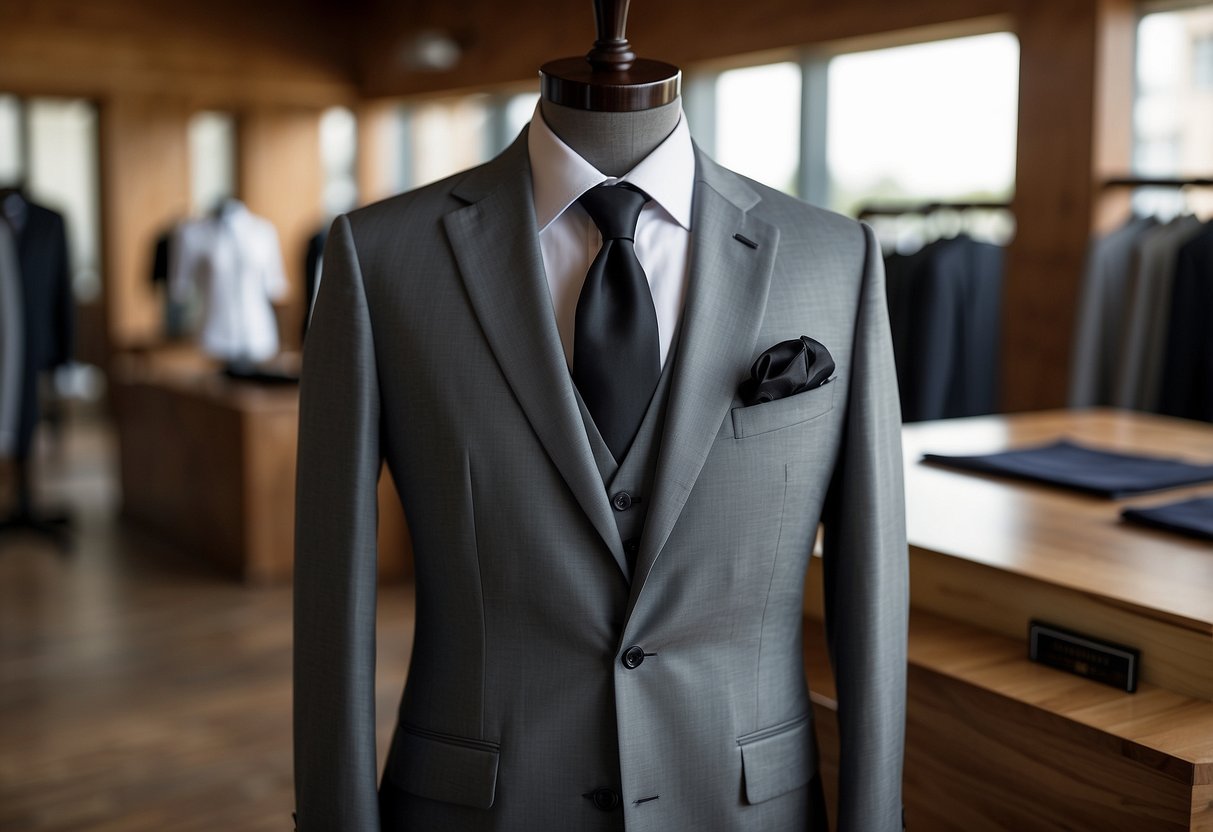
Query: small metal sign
{"points": [[1083, 655]]}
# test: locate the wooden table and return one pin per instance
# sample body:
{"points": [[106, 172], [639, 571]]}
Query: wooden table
{"points": [[209, 463], [995, 741]]}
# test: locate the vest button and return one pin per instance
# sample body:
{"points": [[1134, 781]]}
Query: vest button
{"points": [[622, 501], [604, 799], [633, 657], [631, 545]]}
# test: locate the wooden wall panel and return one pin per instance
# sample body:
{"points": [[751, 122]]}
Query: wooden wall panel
{"points": [[1061, 45], [144, 163], [217, 53], [280, 177]]}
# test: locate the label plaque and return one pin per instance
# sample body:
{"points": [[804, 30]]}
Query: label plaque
{"points": [[1083, 655]]}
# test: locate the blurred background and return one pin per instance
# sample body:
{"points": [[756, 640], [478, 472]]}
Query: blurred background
{"points": [[167, 175]]}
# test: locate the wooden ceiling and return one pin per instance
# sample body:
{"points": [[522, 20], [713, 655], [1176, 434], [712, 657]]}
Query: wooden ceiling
{"points": [[309, 52]]}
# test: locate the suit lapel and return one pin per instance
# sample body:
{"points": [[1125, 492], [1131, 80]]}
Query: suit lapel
{"points": [[726, 298], [496, 244]]}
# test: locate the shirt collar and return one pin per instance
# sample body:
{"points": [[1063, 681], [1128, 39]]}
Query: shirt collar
{"points": [[559, 175]]}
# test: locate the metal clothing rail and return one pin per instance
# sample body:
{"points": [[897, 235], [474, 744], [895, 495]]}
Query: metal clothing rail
{"points": [[1158, 182], [929, 208]]}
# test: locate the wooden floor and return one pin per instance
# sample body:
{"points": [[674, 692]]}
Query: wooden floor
{"points": [[140, 689]]}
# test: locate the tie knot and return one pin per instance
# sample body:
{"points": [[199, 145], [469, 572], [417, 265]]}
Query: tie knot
{"points": [[614, 209]]}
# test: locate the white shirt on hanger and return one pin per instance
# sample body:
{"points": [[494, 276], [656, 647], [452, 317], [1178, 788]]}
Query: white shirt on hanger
{"points": [[235, 260], [569, 239]]}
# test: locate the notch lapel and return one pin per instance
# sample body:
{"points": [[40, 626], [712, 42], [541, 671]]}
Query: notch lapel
{"points": [[726, 298], [496, 244]]}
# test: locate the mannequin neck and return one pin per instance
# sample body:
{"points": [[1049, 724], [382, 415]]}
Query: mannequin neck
{"points": [[614, 143]]}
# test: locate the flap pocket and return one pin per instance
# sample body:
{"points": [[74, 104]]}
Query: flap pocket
{"points": [[782, 413], [444, 767], [778, 759]]}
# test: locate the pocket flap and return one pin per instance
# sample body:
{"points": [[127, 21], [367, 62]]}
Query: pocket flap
{"points": [[783, 413], [778, 759], [447, 768]]}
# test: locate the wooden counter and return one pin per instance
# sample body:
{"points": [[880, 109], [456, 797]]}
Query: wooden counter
{"points": [[209, 464], [997, 552], [995, 741]]}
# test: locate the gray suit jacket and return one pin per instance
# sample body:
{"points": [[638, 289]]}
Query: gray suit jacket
{"points": [[433, 345]]}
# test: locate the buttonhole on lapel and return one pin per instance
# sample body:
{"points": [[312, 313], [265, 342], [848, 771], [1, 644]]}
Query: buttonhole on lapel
{"points": [[645, 799], [745, 241]]}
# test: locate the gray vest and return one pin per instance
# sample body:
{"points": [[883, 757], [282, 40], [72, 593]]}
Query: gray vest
{"points": [[629, 481]]}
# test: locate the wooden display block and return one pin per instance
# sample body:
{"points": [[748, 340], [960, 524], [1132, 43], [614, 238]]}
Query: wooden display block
{"points": [[999, 552], [1001, 744], [209, 464]]}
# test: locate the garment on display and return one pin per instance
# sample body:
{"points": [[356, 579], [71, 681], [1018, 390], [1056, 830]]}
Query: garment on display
{"points": [[945, 308], [1192, 517], [179, 318], [1092, 470], [584, 604], [1143, 335], [47, 340], [233, 258]]}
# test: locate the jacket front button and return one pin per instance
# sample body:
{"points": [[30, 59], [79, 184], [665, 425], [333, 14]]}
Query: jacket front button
{"points": [[622, 501], [633, 657], [604, 799]]}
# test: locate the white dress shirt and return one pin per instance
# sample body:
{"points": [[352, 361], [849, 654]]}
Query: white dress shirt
{"points": [[570, 240], [236, 262]]}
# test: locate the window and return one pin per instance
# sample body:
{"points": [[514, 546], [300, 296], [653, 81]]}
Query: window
{"points": [[10, 140], [1173, 113], [212, 149], [62, 175], [931, 121], [446, 136], [757, 123], [338, 155], [518, 111]]}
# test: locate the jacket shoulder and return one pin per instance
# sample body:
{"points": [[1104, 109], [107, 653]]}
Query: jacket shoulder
{"points": [[797, 219]]}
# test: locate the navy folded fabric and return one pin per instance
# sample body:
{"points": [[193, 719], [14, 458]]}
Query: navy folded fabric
{"points": [[1070, 465], [1191, 517]]}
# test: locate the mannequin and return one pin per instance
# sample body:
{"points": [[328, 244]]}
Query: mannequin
{"points": [[601, 643], [610, 106], [612, 142]]}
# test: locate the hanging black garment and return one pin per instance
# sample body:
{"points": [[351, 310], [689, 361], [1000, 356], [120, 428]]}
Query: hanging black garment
{"points": [[945, 316], [1187, 381], [49, 307]]}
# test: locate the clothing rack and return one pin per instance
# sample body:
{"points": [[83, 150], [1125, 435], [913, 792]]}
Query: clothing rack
{"points": [[1158, 182], [875, 210]]}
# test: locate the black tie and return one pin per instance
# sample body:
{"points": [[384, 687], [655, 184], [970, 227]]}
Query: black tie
{"points": [[616, 360]]}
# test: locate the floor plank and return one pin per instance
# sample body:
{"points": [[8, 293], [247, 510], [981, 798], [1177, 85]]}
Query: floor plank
{"points": [[140, 689]]}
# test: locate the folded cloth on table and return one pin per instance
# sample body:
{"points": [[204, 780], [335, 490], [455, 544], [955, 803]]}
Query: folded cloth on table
{"points": [[1191, 517], [1094, 471]]}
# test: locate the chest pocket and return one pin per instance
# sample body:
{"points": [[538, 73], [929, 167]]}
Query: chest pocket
{"points": [[782, 413]]}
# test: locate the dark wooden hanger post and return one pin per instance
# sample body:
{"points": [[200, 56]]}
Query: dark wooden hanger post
{"points": [[610, 78]]}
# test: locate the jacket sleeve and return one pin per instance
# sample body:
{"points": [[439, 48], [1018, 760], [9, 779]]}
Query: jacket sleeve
{"points": [[866, 574], [336, 519]]}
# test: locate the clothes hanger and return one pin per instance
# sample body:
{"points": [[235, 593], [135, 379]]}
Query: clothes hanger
{"points": [[610, 78]]}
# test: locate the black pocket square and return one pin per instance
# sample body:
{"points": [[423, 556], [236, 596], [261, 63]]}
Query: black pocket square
{"points": [[788, 367]]}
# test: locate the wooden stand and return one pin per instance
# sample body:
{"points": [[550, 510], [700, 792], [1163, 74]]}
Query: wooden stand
{"points": [[995, 741], [209, 464]]}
